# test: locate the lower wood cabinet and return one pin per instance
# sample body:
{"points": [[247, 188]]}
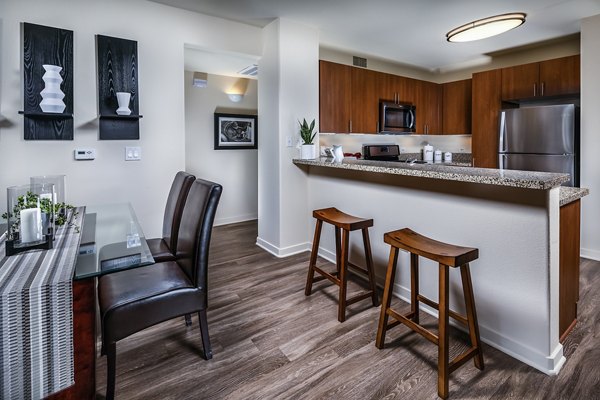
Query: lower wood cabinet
{"points": [[570, 225]]}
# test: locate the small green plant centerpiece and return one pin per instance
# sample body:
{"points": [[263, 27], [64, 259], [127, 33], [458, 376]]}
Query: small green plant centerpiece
{"points": [[307, 134], [32, 219]]}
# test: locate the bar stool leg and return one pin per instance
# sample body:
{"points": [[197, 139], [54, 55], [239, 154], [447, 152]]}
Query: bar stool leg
{"points": [[414, 287], [443, 333], [387, 297], [338, 250], [343, 276], [313, 258], [465, 275], [369, 258]]}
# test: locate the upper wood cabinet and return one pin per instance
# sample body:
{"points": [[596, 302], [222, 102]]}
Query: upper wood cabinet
{"points": [[456, 107], [428, 98], [334, 97], [486, 102], [546, 78], [366, 92]]}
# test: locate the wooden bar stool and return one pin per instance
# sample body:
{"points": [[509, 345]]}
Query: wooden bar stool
{"points": [[446, 255], [344, 223]]}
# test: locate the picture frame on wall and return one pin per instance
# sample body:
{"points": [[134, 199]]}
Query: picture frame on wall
{"points": [[235, 131]]}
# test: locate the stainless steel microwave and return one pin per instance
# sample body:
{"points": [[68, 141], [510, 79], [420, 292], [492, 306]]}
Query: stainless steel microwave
{"points": [[396, 118]]}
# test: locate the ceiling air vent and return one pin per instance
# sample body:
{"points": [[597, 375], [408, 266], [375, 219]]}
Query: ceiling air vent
{"points": [[359, 62], [251, 70]]}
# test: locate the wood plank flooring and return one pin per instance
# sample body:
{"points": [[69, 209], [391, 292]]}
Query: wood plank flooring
{"points": [[271, 342]]}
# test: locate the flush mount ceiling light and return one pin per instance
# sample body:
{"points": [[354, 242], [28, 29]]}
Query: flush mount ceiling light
{"points": [[486, 27]]}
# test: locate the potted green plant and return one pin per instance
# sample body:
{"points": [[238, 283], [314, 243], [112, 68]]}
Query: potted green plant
{"points": [[307, 134]]}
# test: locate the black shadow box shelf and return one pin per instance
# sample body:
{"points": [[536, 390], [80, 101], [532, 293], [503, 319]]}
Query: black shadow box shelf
{"points": [[121, 116], [43, 115], [54, 46], [117, 72]]}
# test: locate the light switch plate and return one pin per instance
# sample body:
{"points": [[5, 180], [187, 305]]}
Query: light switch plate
{"points": [[133, 153], [85, 154]]}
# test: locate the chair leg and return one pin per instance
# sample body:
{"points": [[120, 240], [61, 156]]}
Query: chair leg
{"points": [[414, 287], [313, 258], [443, 370], [465, 275], [188, 319], [369, 258], [204, 334], [338, 250], [387, 297], [343, 276], [111, 364]]}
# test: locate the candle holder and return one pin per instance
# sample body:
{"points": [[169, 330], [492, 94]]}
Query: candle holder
{"points": [[30, 218]]}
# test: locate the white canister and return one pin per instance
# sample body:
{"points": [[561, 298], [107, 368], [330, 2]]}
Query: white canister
{"points": [[428, 152], [447, 157], [437, 156]]}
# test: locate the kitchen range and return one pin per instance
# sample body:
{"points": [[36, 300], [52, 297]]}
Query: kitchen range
{"points": [[391, 152]]}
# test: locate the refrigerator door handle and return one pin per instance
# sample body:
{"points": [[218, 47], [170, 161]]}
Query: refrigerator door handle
{"points": [[502, 131], [502, 161]]}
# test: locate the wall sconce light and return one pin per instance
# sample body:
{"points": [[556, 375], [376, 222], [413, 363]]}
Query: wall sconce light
{"points": [[235, 97], [200, 79], [237, 90], [486, 27]]}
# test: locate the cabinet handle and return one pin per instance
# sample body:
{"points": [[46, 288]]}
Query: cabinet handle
{"points": [[534, 89], [542, 89], [350, 126], [377, 127]]}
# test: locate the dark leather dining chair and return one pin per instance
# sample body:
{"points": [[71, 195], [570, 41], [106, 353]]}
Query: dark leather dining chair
{"points": [[165, 247], [135, 299]]}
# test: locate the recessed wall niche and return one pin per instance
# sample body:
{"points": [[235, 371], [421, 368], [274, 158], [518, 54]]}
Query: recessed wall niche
{"points": [[117, 73], [47, 82]]}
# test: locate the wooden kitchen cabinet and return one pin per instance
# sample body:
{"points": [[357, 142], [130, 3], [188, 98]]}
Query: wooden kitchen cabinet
{"points": [[335, 95], [570, 223], [486, 104], [366, 90], [560, 76], [541, 79], [428, 98], [456, 107]]}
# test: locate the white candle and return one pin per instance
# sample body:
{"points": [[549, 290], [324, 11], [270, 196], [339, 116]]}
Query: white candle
{"points": [[31, 225]]}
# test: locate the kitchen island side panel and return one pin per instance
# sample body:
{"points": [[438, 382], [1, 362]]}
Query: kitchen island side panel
{"points": [[514, 278]]}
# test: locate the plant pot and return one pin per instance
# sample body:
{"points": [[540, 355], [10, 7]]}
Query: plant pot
{"points": [[309, 151]]}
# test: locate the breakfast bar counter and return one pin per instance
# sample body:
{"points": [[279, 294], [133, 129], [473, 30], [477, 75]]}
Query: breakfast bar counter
{"points": [[514, 218]]}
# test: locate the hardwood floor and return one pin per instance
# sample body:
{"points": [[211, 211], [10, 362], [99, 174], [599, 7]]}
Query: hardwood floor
{"points": [[271, 342]]}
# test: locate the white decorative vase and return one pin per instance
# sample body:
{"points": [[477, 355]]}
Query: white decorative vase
{"points": [[52, 95], [309, 151], [123, 98]]}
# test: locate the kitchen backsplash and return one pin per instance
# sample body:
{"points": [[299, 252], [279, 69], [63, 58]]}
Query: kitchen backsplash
{"points": [[352, 143]]}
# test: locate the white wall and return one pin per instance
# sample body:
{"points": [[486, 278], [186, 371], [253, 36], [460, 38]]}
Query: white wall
{"points": [[161, 33], [590, 137], [235, 170], [288, 91]]}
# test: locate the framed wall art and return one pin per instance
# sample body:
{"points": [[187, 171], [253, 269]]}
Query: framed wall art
{"points": [[235, 131]]}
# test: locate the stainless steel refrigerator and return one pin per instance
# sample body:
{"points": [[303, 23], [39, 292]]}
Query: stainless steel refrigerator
{"points": [[541, 138]]}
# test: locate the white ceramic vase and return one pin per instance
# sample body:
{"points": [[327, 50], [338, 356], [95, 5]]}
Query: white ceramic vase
{"points": [[52, 95], [123, 98], [309, 151]]}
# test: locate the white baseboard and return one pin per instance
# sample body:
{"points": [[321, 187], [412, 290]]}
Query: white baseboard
{"points": [[282, 251], [590, 253], [236, 219]]}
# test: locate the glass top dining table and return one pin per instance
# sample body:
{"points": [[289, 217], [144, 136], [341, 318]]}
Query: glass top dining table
{"points": [[111, 240]]}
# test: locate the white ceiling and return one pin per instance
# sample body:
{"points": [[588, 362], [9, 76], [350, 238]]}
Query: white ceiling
{"points": [[407, 31]]}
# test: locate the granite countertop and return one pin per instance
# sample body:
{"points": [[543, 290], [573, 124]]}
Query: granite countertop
{"points": [[571, 194], [520, 179]]}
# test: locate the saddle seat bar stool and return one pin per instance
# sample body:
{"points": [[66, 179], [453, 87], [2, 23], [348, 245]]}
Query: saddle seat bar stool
{"points": [[447, 256]]}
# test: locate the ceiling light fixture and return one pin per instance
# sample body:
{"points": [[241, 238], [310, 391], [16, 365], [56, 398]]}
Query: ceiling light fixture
{"points": [[486, 27]]}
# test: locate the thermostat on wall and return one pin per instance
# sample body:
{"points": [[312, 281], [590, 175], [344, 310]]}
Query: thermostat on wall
{"points": [[85, 154]]}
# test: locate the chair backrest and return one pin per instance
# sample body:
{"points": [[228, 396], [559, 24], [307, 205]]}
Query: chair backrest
{"points": [[174, 208], [195, 230]]}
